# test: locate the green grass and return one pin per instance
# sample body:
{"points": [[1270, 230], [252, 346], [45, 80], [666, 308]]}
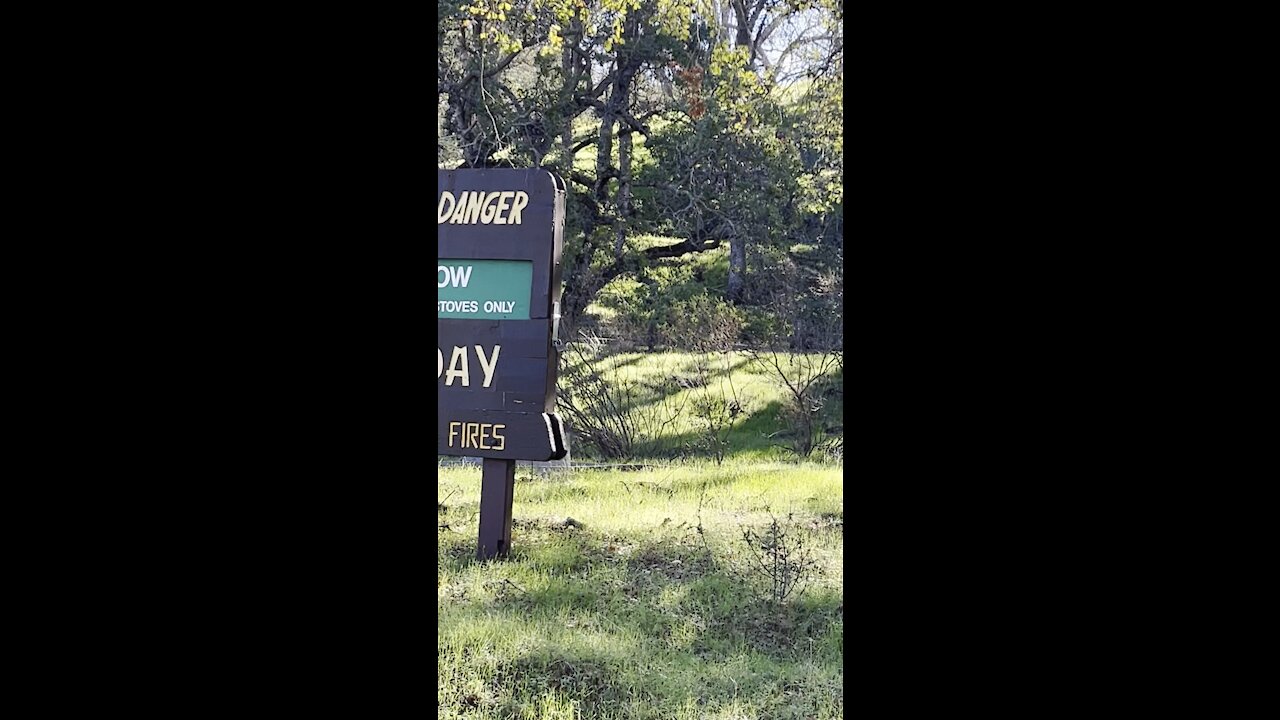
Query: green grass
{"points": [[636, 614], [659, 381]]}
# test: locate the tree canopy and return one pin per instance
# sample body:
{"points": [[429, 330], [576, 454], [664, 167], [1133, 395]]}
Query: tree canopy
{"points": [[682, 127]]}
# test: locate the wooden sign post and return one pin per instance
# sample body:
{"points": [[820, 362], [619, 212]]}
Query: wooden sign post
{"points": [[499, 238]]}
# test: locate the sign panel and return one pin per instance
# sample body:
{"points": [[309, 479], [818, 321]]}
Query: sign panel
{"points": [[499, 435], [484, 289], [499, 238], [495, 365]]}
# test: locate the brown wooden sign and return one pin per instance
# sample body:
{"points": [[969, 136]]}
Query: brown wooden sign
{"points": [[504, 215], [500, 435], [499, 237], [496, 365], [499, 241]]}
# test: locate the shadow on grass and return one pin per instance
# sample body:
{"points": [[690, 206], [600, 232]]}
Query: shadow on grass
{"points": [[637, 625], [667, 586]]}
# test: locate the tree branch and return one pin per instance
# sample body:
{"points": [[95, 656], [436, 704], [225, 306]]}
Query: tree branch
{"points": [[622, 115]]}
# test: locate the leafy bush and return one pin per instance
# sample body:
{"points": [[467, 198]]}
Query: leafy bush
{"points": [[702, 324]]}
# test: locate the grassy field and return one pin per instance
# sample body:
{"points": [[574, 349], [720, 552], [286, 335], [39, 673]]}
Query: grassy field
{"points": [[634, 595], [664, 389]]}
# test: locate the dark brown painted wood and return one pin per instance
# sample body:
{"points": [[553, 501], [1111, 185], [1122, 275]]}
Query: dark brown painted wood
{"points": [[524, 381], [539, 237], [497, 493], [499, 435], [528, 383], [519, 338]]}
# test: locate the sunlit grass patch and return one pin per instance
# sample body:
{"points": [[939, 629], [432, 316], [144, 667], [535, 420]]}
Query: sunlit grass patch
{"points": [[643, 606]]}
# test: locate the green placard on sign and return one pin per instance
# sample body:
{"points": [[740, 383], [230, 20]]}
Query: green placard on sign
{"points": [[484, 289]]}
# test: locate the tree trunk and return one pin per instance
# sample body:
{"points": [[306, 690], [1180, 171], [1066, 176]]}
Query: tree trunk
{"points": [[737, 269], [624, 192]]}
